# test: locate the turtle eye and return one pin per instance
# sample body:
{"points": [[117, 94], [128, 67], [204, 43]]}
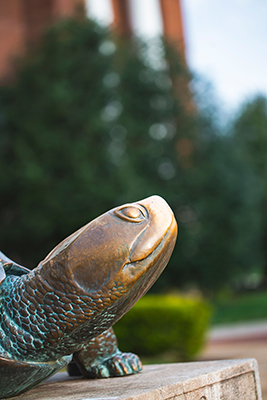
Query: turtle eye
{"points": [[131, 213]]}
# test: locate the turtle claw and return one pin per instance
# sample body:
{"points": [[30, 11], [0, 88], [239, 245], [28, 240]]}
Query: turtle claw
{"points": [[98, 371], [118, 365], [123, 364]]}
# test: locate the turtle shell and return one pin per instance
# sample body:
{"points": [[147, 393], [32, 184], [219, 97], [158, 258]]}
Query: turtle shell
{"points": [[12, 268], [2, 273], [8, 267], [18, 377]]}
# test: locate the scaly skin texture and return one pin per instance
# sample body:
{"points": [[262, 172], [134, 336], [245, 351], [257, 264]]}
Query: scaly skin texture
{"points": [[43, 322], [68, 304]]}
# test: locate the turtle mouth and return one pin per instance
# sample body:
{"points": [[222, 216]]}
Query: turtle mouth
{"points": [[158, 257]]}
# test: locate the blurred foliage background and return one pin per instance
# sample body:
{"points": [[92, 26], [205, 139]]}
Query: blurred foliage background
{"points": [[169, 327], [92, 122]]}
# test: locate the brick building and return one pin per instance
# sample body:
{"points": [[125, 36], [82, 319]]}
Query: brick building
{"points": [[171, 15], [22, 23]]}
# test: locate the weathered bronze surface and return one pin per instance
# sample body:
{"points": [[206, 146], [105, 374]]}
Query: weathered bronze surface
{"points": [[68, 303]]}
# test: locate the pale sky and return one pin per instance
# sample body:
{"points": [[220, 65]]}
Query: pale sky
{"points": [[225, 41]]}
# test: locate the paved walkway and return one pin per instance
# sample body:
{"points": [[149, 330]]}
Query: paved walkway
{"points": [[240, 341], [240, 331]]}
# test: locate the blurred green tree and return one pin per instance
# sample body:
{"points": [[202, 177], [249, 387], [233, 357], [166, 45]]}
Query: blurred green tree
{"points": [[92, 122], [250, 136], [87, 125]]}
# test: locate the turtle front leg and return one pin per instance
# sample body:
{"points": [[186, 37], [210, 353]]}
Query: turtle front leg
{"points": [[101, 358]]}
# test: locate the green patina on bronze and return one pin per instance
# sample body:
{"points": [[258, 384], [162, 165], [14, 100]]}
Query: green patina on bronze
{"points": [[67, 305]]}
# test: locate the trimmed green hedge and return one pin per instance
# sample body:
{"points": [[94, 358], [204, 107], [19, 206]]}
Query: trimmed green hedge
{"points": [[160, 324]]}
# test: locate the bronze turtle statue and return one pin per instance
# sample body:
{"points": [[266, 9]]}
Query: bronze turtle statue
{"points": [[67, 305]]}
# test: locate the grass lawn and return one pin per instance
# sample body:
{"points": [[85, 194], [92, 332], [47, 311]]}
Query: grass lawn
{"points": [[245, 307]]}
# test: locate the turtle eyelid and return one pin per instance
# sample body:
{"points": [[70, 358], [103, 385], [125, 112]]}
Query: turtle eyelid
{"points": [[132, 213]]}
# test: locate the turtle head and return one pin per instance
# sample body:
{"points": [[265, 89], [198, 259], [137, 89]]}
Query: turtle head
{"points": [[91, 279], [123, 250]]}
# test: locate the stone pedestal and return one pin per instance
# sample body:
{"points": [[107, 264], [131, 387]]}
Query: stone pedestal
{"points": [[213, 380]]}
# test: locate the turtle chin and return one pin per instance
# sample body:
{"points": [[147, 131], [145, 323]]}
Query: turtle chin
{"points": [[140, 275]]}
